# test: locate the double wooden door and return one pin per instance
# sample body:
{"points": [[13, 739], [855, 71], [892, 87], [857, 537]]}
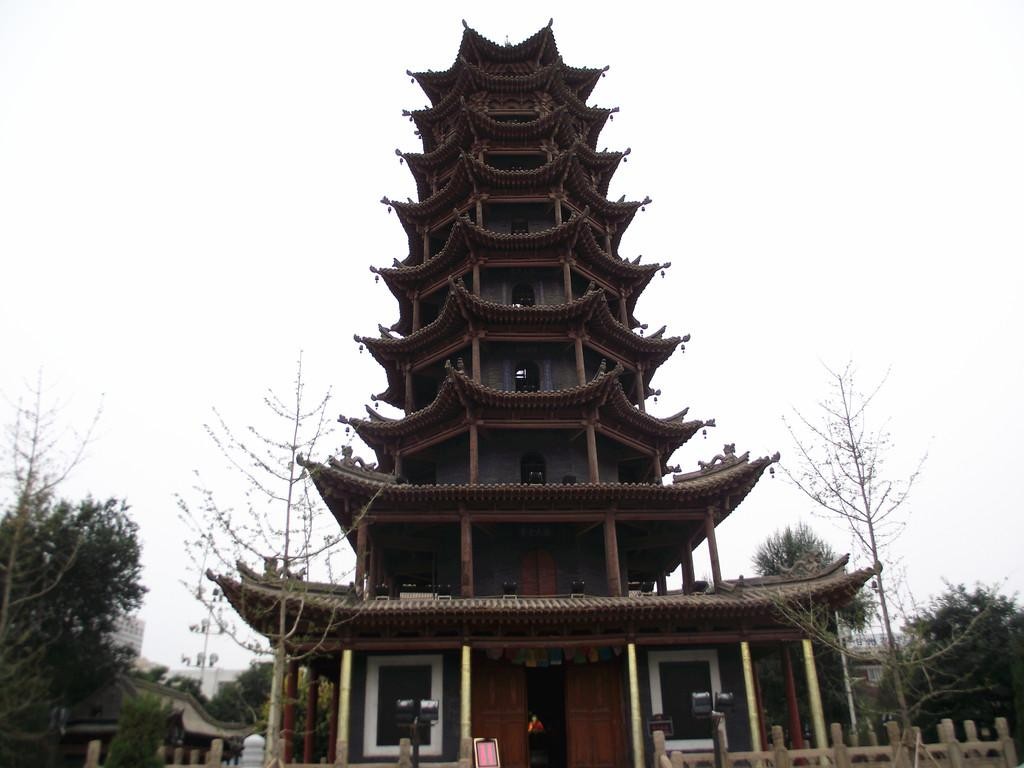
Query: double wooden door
{"points": [[595, 732]]}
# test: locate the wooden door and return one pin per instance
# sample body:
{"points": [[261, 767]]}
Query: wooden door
{"points": [[593, 713], [537, 574], [499, 709]]}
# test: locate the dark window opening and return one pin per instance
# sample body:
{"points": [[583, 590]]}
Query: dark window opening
{"points": [[438, 238], [515, 161], [513, 117], [684, 678], [419, 472], [400, 682], [424, 391], [519, 218], [522, 296], [533, 469], [634, 471], [527, 377]]}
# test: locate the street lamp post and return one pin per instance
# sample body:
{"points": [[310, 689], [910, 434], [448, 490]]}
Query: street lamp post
{"points": [[700, 704]]}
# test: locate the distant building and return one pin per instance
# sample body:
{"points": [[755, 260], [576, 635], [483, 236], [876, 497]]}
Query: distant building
{"points": [[210, 678], [128, 632]]}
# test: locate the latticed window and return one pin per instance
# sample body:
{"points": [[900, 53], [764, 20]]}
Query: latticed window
{"points": [[527, 376], [533, 469], [522, 295]]}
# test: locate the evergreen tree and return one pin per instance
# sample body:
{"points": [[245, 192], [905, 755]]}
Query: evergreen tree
{"points": [[140, 730]]}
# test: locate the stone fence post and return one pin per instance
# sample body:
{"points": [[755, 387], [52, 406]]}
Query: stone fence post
{"points": [[1009, 748], [92, 754]]}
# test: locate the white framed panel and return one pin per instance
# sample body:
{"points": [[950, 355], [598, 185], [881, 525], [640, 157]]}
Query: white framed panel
{"points": [[654, 661], [373, 666]]}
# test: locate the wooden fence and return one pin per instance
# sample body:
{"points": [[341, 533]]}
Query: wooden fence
{"points": [[179, 757], [904, 750]]}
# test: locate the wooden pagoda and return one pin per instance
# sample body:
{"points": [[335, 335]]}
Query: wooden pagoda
{"points": [[514, 535]]}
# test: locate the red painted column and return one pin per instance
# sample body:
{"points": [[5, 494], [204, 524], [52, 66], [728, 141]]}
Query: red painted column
{"points": [[332, 721], [796, 734], [312, 691]]}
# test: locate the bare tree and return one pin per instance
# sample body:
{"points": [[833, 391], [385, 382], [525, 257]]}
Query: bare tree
{"points": [[842, 456], [279, 524]]}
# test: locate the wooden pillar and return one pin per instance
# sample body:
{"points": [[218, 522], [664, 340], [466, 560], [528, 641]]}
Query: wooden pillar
{"points": [[375, 557], [686, 566], [415, 313], [465, 705], [623, 310], [474, 454], [312, 692], [581, 371], [611, 555], [332, 721], [398, 462], [291, 692], [592, 465], [475, 346], [709, 532], [479, 211], [466, 537], [476, 279], [641, 389], [753, 713], [656, 466], [361, 541], [662, 584], [567, 281], [796, 731], [608, 243], [814, 693], [410, 398], [344, 698], [635, 716], [558, 211], [426, 244]]}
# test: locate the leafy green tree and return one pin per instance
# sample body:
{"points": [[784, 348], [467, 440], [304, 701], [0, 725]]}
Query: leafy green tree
{"points": [[101, 584], [68, 571], [244, 699], [796, 546], [968, 643], [140, 730], [797, 550], [185, 684]]}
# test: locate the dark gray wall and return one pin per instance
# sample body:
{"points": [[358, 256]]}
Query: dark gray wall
{"points": [[501, 452], [556, 364], [450, 703], [496, 285], [730, 670], [498, 553]]}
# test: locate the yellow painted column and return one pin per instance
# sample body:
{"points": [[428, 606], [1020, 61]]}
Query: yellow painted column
{"points": [[465, 702], [636, 721], [817, 712], [344, 705], [748, 683]]}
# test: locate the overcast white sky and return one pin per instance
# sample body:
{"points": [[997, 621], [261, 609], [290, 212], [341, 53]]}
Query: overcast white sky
{"points": [[188, 196]]}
